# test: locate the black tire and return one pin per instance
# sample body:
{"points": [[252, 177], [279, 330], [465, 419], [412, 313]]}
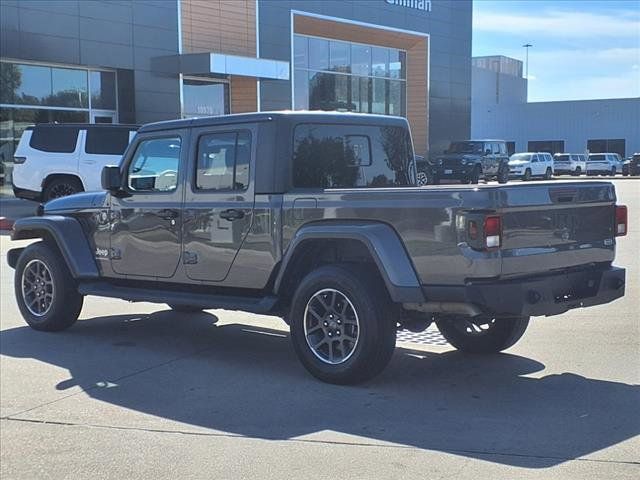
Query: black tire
{"points": [[185, 308], [613, 172], [376, 328], [578, 172], [548, 174], [474, 177], [527, 175], [466, 334], [65, 302], [503, 175], [61, 187]]}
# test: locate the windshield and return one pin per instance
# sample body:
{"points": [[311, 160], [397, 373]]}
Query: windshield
{"points": [[466, 147], [525, 157]]}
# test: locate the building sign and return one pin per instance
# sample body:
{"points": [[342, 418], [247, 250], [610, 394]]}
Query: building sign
{"points": [[424, 5]]}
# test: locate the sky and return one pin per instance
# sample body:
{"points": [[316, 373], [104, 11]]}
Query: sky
{"points": [[582, 49]]}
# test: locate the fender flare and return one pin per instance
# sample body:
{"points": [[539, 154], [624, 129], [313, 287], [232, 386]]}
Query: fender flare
{"points": [[69, 237], [384, 245]]}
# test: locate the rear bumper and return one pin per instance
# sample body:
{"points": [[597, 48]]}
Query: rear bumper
{"points": [[537, 296]]}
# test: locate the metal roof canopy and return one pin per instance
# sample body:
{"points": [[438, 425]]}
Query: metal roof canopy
{"points": [[223, 64]]}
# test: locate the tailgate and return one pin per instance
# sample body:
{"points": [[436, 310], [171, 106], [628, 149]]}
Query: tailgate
{"points": [[551, 227]]}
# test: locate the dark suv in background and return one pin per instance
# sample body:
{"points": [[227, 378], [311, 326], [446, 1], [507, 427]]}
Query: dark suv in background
{"points": [[471, 160]]}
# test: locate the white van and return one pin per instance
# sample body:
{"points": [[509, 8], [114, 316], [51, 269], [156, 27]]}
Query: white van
{"points": [[54, 160], [531, 164], [604, 164]]}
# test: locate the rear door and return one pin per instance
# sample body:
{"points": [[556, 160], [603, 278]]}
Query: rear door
{"points": [[146, 233], [219, 199], [535, 165], [102, 146]]}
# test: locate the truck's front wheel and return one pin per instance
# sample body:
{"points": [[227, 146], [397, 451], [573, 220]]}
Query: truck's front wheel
{"points": [[483, 334], [45, 291], [341, 325]]}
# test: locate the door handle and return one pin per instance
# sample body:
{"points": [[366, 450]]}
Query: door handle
{"points": [[232, 214]]}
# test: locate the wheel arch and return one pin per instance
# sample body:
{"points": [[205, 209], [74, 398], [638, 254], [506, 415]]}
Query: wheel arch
{"points": [[64, 232], [53, 176], [378, 241]]}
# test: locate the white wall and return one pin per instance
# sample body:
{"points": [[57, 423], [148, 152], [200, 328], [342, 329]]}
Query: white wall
{"points": [[575, 122]]}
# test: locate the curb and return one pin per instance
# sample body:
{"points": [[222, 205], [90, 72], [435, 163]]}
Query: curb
{"points": [[6, 223]]}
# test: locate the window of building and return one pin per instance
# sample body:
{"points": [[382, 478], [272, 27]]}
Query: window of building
{"points": [[330, 156], [223, 161], [549, 146], [32, 94], [607, 146], [154, 167], [202, 98], [338, 75], [107, 141]]}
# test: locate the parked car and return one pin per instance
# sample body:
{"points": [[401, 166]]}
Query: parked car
{"points": [[314, 217], [472, 160], [528, 165], [425, 173], [54, 160], [603, 164], [634, 164], [569, 164]]}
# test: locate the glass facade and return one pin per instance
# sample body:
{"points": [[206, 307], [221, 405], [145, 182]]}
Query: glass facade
{"points": [[31, 94], [203, 98], [337, 75]]}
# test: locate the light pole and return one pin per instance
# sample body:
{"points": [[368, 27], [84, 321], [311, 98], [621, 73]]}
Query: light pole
{"points": [[526, 63]]}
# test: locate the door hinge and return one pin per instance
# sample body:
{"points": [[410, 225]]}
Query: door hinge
{"points": [[190, 258]]}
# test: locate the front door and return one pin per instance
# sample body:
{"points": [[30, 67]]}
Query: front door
{"points": [[146, 223], [488, 160], [219, 201]]}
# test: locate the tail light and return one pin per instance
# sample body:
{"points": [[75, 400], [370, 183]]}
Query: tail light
{"points": [[492, 232], [621, 220], [483, 232]]}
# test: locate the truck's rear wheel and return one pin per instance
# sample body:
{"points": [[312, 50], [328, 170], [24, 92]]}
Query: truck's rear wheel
{"points": [[503, 175], [548, 174], [341, 326], [483, 334], [474, 176], [45, 291]]}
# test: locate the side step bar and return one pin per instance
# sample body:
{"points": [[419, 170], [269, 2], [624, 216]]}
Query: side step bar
{"points": [[205, 301]]}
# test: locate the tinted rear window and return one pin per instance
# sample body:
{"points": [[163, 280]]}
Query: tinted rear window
{"points": [[351, 156], [596, 158], [54, 138], [562, 158], [107, 141]]}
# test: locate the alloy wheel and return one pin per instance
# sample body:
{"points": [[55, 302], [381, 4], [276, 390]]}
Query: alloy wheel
{"points": [[37, 287], [331, 326]]}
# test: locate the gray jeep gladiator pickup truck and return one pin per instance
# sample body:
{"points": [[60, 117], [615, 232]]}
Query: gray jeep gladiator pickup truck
{"points": [[315, 217]]}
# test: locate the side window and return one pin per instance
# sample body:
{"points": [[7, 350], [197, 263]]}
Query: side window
{"points": [[107, 141], [351, 156], [223, 161], [495, 148], [502, 148], [534, 158], [154, 166], [54, 138]]}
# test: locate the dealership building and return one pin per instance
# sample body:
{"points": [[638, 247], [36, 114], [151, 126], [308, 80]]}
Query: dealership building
{"points": [[138, 61], [500, 110]]}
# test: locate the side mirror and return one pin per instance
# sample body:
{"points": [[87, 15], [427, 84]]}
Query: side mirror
{"points": [[111, 178]]}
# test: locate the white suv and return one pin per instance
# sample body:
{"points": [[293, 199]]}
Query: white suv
{"points": [[54, 160], [531, 164], [604, 164], [569, 164]]}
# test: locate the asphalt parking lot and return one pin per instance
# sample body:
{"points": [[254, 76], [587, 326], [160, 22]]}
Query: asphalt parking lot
{"points": [[139, 391]]}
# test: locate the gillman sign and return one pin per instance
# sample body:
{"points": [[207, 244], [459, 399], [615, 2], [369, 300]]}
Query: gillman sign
{"points": [[424, 5]]}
